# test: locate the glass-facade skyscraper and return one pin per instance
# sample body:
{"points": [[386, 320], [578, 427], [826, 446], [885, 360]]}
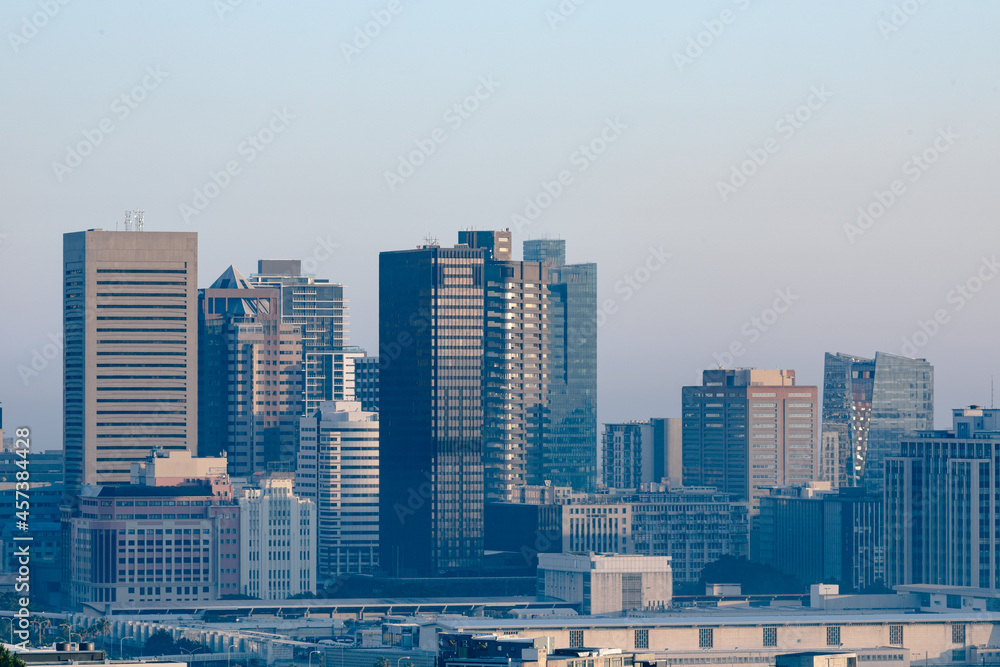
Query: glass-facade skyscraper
{"points": [[431, 329], [870, 404], [569, 450]]}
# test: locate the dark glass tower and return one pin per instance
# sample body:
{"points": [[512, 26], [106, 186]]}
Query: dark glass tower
{"points": [[431, 410], [871, 404], [569, 453]]}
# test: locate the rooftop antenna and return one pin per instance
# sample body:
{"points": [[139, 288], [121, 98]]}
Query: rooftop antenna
{"points": [[992, 394], [430, 240], [128, 221], [139, 214]]}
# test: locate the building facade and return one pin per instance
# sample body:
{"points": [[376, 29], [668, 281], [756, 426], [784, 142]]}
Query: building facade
{"points": [[606, 583], [431, 308], [870, 404], [130, 325], [746, 431], [645, 452], [277, 541], [366, 374], [941, 511], [569, 455], [338, 470]]}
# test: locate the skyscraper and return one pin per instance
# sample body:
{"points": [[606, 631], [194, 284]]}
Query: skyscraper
{"points": [[131, 347], [748, 430], [431, 329], [515, 376], [637, 453], [569, 450], [250, 374], [941, 507], [870, 404]]}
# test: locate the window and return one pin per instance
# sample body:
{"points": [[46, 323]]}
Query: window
{"points": [[704, 637], [833, 635], [770, 635], [576, 638], [958, 633], [958, 655], [896, 635], [954, 602], [642, 638]]}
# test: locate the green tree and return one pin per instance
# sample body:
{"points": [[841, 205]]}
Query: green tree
{"points": [[160, 643], [8, 659], [754, 578], [101, 627], [382, 662]]}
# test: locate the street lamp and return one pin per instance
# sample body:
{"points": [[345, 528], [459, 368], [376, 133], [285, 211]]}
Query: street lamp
{"points": [[311, 657], [121, 646], [405, 657], [229, 655]]}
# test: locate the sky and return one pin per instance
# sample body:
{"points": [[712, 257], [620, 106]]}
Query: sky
{"points": [[758, 182]]}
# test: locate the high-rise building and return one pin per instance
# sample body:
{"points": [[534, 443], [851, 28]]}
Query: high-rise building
{"points": [[748, 430], [130, 323], [314, 303], [569, 452], [638, 453], [515, 374], [338, 469], [431, 330], [940, 504], [330, 376], [250, 375], [366, 375], [277, 541], [821, 535], [870, 404]]}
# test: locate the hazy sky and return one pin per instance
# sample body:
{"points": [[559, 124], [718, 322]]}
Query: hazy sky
{"points": [[739, 138]]}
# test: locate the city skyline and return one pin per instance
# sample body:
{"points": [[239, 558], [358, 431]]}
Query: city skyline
{"points": [[827, 109]]}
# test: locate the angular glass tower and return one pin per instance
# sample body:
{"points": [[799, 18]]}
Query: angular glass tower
{"points": [[871, 404], [569, 452], [431, 325]]}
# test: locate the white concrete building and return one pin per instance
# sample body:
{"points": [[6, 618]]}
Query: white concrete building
{"points": [[277, 541], [605, 583], [338, 469]]}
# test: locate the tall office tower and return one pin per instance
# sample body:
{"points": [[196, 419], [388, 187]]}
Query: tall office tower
{"points": [[277, 541], [431, 409], [366, 376], [644, 452], [515, 375], [829, 459], [940, 508], [130, 322], [570, 436], [250, 375], [315, 303], [748, 430], [330, 376], [338, 464], [870, 404]]}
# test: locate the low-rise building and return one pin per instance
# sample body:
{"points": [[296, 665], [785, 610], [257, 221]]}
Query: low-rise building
{"points": [[606, 583]]}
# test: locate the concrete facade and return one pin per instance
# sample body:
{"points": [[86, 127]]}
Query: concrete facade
{"points": [[606, 583]]}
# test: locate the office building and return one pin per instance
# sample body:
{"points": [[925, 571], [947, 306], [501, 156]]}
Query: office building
{"points": [[366, 374], [338, 470], [940, 507], [870, 404], [515, 375], [330, 376], [251, 376], [569, 454], [746, 431], [277, 541], [431, 330], [131, 348], [823, 536], [606, 583], [315, 304], [44, 528], [637, 453]]}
